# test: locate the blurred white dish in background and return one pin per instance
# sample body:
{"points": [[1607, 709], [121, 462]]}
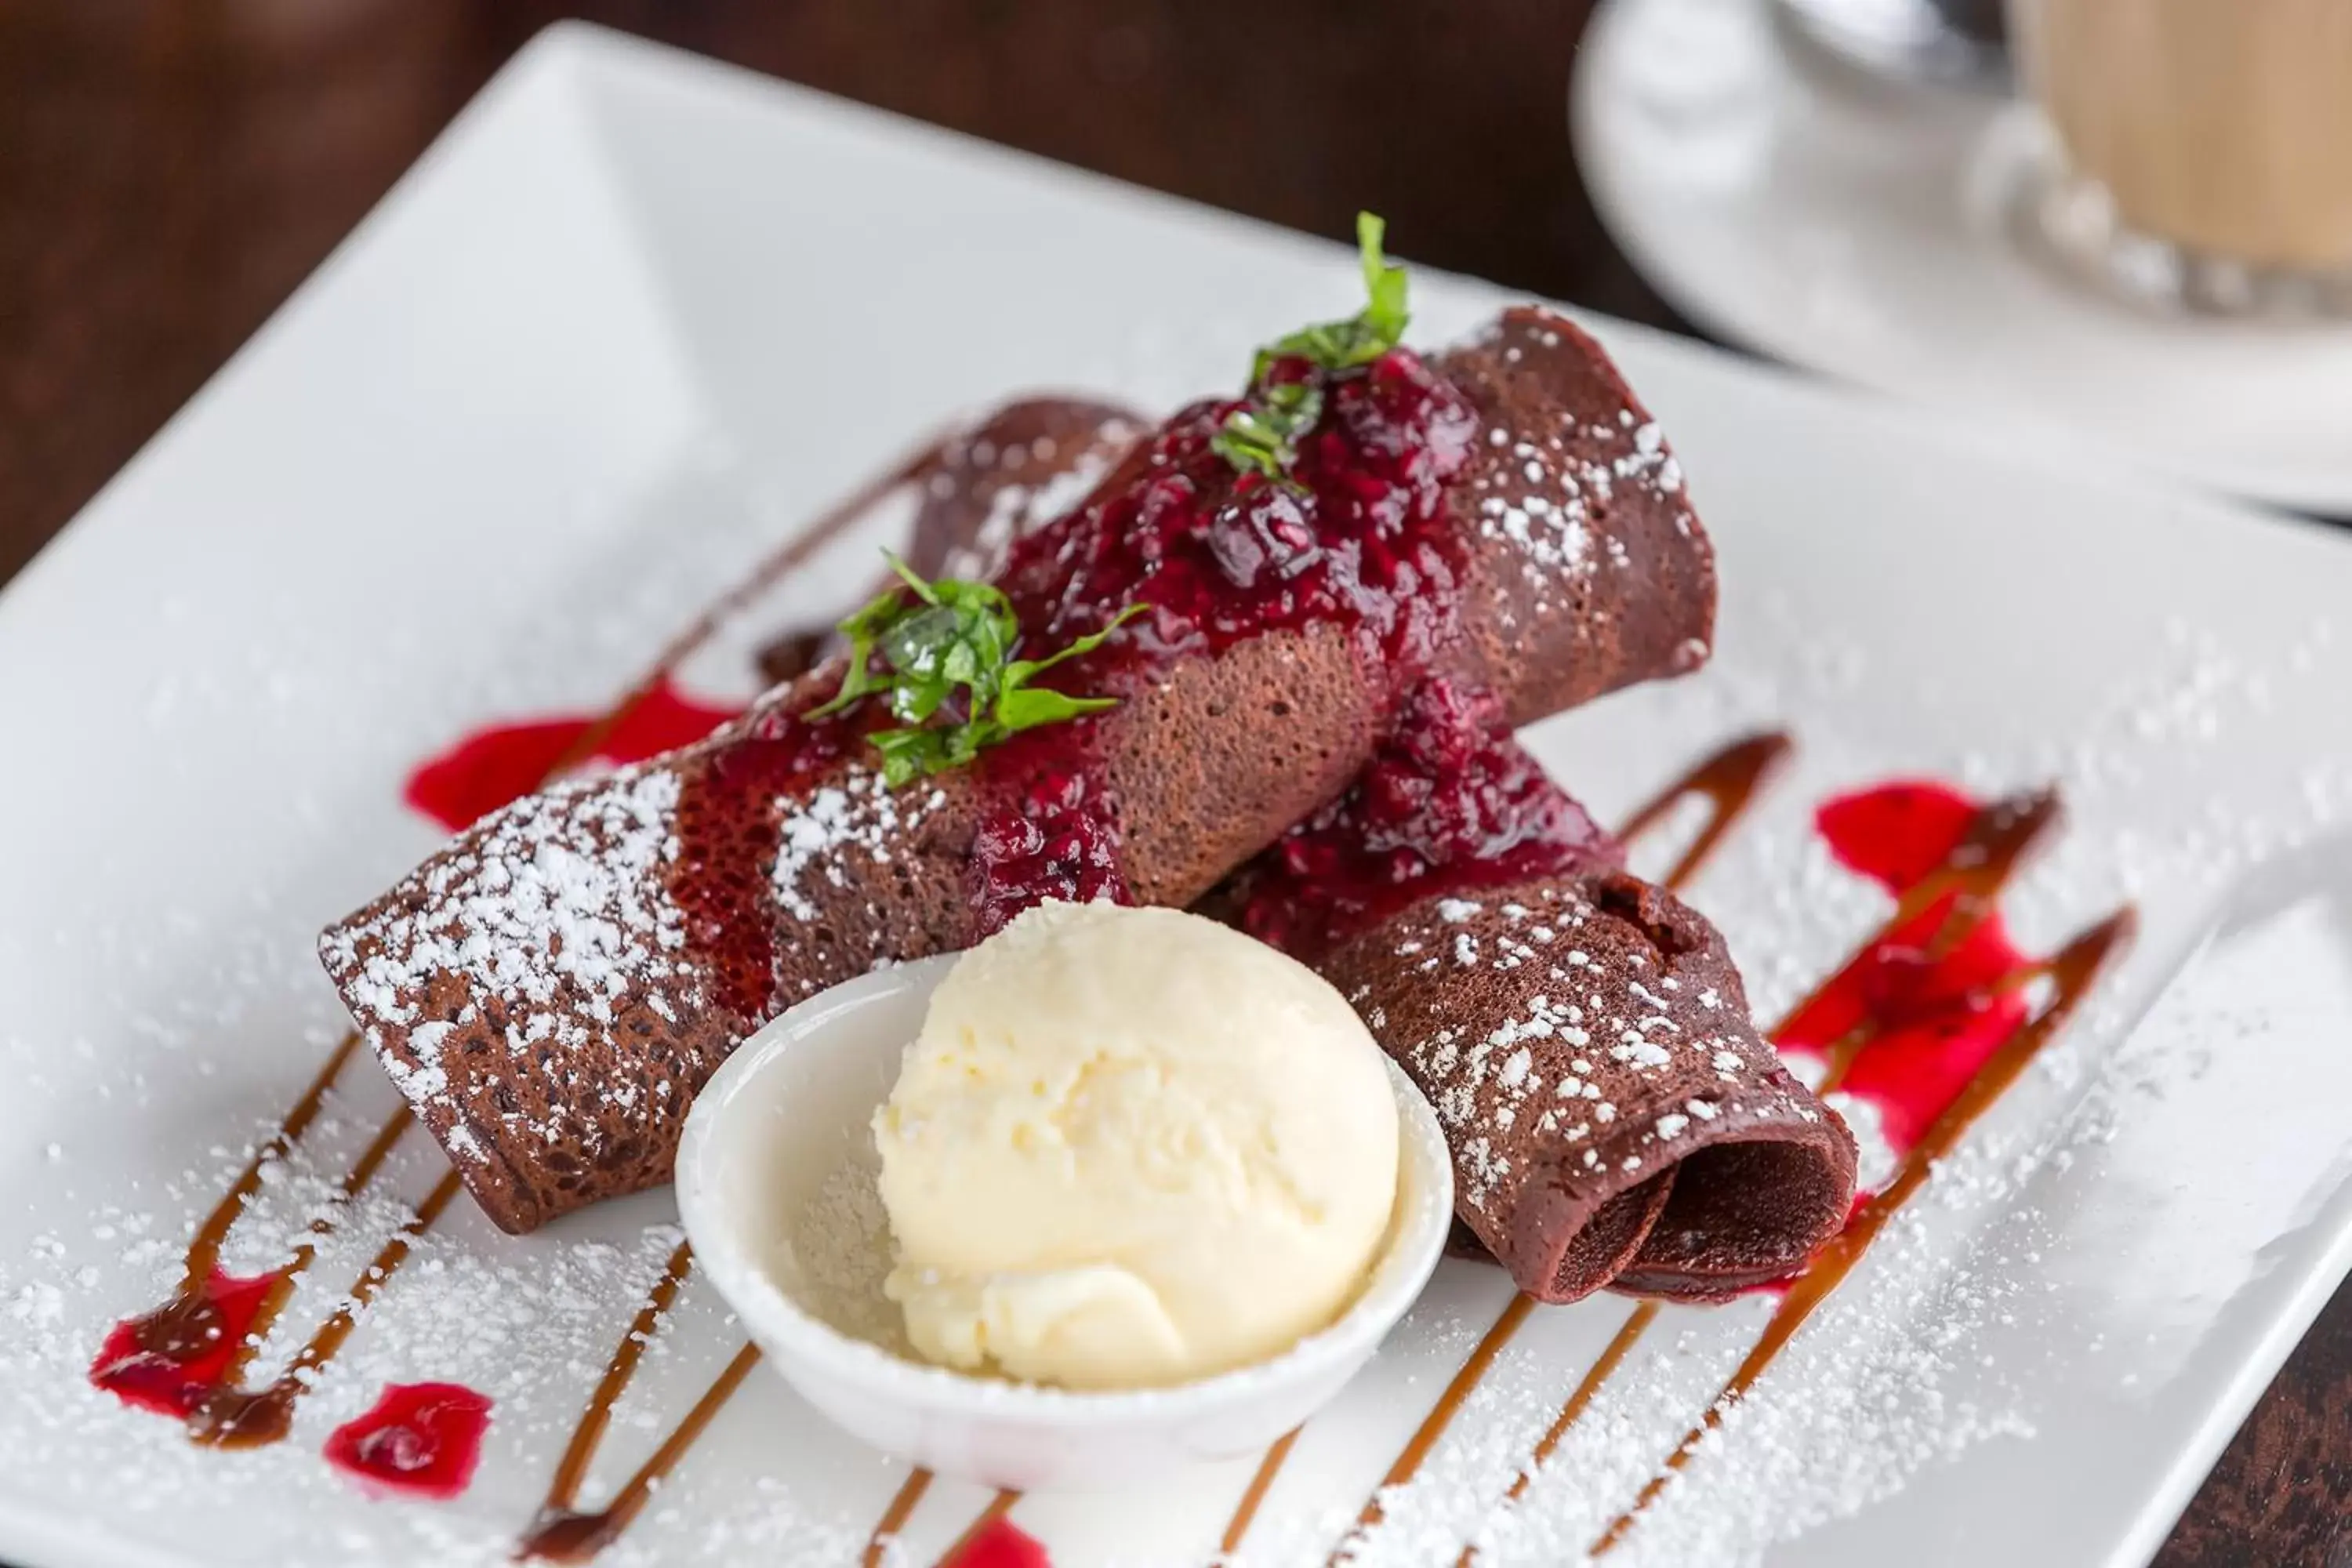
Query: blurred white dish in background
{"points": [[1865, 230]]}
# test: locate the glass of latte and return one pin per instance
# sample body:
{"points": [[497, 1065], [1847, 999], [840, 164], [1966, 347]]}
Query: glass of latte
{"points": [[2194, 154]]}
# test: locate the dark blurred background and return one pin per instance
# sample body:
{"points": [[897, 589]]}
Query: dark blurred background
{"points": [[170, 169]]}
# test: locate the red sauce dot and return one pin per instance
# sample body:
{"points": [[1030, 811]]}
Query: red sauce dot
{"points": [[422, 1440], [1895, 834], [1001, 1543]]}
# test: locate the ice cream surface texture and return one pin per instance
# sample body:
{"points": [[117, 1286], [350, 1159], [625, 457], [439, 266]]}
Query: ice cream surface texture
{"points": [[1131, 1147]]}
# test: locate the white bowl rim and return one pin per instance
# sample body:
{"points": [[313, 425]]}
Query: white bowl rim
{"points": [[1416, 1239]]}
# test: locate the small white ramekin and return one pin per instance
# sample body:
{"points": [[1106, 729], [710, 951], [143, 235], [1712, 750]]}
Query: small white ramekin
{"points": [[791, 1109]]}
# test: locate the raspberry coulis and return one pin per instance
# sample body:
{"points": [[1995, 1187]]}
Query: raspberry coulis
{"points": [[1449, 803], [170, 1359], [421, 1439]]}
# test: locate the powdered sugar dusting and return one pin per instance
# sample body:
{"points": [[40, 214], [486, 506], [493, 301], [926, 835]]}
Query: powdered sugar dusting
{"points": [[553, 908], [1577, 1050], [1546, 492], [859, 812]]}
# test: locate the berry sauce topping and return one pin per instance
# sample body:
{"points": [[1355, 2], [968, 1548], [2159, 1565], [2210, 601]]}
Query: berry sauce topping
{"points": [[422, 1440], [728, 834], [1049, 832], [1353, 535], [1449, 803]]}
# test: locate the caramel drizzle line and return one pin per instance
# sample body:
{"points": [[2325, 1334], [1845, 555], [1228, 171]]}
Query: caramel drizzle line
{"points": [[1441, 1415], [998, 1507], [188, 1316], [564, 1536], [1989, 854], [233, 1417], [281, 1289], [572, 1468], [1620, 1345], [2072, 972], [1261, 1482], [1728, 780], [203, 1249], [894, 1518]]}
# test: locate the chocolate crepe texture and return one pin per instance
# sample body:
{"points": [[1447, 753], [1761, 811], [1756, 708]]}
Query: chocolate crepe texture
{"points": [[1614, 1117]]}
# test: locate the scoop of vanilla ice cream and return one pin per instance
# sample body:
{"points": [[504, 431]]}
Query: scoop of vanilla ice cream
{"points": [[1132, 1147]]}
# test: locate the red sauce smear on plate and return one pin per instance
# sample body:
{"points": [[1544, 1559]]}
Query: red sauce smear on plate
{"points": [[1935, 1011], [422, 1440], [506, 761], [168, 1361]]}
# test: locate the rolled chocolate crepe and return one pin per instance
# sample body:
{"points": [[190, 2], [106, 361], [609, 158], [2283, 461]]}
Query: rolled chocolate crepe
{"points": [[550, 990], [1614, 1117]]}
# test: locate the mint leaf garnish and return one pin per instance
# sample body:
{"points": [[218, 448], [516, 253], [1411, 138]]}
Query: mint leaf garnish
{"points": [[1364, 336], [947, 654], [1262, 434]]}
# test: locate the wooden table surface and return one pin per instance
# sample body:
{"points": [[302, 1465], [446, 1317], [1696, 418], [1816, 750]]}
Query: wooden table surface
{"points": [[170, 169]]}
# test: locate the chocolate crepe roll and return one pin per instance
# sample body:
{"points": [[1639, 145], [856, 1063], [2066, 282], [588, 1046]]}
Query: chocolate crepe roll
{"points": [[551, 990], [1614, 1117]]}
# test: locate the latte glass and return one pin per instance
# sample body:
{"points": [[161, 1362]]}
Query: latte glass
{"points": [[2196, 154]]}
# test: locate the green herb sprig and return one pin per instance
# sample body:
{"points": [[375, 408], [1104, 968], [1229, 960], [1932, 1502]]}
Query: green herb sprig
{"points": [[951, 637], [1264, 433]]}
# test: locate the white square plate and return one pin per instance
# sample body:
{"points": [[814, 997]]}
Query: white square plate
{"points": [[636, 317]]}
